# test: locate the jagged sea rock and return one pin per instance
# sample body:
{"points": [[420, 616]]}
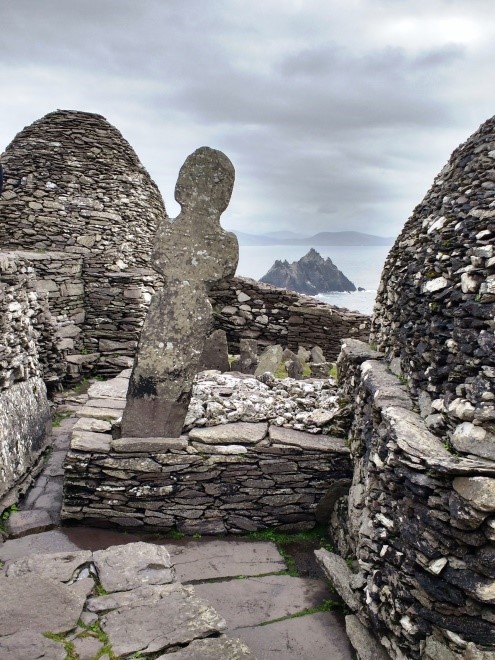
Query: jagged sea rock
{"points": [[312, 274]]}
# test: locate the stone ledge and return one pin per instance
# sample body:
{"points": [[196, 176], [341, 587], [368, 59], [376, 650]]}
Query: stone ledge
{"points": [[148, 445], [309, 441]]}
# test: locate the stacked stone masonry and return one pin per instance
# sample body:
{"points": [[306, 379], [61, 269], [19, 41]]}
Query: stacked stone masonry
{"points": [[418, 524], [247, 309], [435, 309], [232, 478], [25, 325]]}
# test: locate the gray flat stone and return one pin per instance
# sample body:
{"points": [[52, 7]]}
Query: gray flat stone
{"points": [[87, 648], [219, 648], [43, 543], [151, 445], [108, 414], [219, 559], [339, 575], [38, 604], [479, 492], [363, 641], [308, 441], [89, 441], [91, 424], [313, 637], [257, 600], [154, 618], [21, 523], [269, 360], [29, 645], [59, 566], [124, 567], [115, 388], [106, 403], [231, 434]]}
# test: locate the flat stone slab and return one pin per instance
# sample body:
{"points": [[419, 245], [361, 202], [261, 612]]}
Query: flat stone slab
{"points": [[106, 403], [154, 618], [308, 441], [42, 543], [217, 648], [125, 567], [308, 637], [58, 566], [209, 560], [339, 575], [107, 414], [257, 600], [115, 388], [151, 445], [366, 645], [28, 644], [38, 604], [21, 523], [89, 441], [231, 434], [91, 424]]}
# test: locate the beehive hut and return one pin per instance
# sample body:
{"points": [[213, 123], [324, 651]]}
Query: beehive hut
{"points": [[79, 205], [434, 315]]}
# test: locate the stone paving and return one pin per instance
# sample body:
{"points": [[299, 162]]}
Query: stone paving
{"points": [[102, 589]]}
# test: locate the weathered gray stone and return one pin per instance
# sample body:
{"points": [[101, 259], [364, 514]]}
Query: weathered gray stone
{"points": [[220, 559], [38, 604], [29, 644], [308, 441], [154, 618], [265, 598], [270, 360], [471, 439], [89, 441], [21, 523], [87, 648], [215, 352], [248, 356], [479, 492], [219, 648], [115, 388], [149, 445], [125, 567], [317, 355], [58, 566], [236, 433], [93, 425], [339, 575], [192, 252], [305, 638], [364, 643]]}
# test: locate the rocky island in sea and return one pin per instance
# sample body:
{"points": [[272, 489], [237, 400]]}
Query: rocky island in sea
{"points": [[312, 274]]}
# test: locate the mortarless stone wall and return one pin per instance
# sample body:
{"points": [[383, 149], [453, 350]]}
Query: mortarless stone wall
{"points": [[247, 309]]}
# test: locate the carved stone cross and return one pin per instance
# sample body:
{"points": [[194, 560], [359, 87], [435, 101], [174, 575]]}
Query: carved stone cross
{"points": [[192, 252]]}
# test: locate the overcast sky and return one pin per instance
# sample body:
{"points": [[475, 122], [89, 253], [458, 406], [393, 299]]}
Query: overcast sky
{"points": [[337, 114]]}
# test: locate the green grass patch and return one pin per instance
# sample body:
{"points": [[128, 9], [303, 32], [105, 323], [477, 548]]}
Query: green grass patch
{"points": [[6, 513], [67, 644], [58, 417]]}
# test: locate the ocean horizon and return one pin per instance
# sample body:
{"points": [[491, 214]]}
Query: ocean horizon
{"points": [[362, 264]]}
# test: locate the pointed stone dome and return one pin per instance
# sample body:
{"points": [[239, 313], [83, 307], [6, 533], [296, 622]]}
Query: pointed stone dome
{"points": [[435, 306]]}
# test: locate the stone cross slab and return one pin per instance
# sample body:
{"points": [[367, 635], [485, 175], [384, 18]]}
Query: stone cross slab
{"points": [[192, 252]]}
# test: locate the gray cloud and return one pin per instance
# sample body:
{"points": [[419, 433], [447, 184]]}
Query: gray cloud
{"points": [[336, 115]]}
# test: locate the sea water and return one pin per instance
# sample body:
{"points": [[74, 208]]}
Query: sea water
{"points": [[361, 264]]}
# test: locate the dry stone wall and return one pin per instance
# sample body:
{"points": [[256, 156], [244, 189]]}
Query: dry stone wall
{"points": [[25, 325], [434, 315], [231, 478], [418, 525], [247, 309]]}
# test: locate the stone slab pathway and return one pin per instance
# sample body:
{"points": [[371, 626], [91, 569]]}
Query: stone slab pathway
{"points": [[229, 588]]}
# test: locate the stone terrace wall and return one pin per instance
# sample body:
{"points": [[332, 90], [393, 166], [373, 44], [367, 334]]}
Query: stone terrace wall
{"points": [[419, 521], [435, 307], [25, 324], [231, 478], [248, 309]]}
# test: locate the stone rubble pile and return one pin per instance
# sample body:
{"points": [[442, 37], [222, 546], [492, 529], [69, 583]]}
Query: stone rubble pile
{"points": [[313, 406]]}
